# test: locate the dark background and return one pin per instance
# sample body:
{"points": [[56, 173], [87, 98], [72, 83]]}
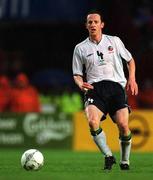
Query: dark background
{"points": [[38, 37]]}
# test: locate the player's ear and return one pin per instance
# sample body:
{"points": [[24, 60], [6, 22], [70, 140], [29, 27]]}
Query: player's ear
{"points": [[102, 25]]}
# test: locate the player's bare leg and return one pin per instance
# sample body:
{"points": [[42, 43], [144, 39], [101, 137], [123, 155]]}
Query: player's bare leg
{"points": [[94, 116]]}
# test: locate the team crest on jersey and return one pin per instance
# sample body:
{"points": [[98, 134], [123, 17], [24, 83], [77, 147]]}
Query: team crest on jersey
{"points": [[110, 48]]}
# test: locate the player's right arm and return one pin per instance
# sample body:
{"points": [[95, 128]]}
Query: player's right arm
{"points": [[77, 67], [84, 86]]}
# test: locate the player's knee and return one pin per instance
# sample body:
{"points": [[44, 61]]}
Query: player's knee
{"points": [[124, 128], [93, 123]]}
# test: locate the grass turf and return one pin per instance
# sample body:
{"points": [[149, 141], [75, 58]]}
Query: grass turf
{"points": [[65, 165]]}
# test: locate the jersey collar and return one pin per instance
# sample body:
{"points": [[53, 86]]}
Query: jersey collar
{"points": [[103, 35]]}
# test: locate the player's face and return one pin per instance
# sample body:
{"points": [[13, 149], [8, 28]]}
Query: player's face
{"points": [[94, 24]]}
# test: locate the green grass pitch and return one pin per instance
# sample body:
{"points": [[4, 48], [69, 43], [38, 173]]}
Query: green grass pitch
{"points": [[70, 165]]}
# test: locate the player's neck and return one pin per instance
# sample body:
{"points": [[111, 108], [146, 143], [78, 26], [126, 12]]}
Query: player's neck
{"points": [[95, 38]]}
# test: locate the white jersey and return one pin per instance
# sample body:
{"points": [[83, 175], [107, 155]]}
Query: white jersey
{"points": [[102, 61]]}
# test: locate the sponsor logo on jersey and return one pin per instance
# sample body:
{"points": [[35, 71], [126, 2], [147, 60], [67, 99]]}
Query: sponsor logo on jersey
{"points": [[89, 54]]}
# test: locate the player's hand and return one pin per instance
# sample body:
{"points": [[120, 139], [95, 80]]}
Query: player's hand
{"points": [[132, 86], [86, 86]]}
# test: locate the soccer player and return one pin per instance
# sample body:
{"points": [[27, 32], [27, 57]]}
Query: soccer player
{"points": [[105, 85]]}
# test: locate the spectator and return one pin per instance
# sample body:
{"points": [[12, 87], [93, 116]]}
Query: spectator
{"points": [[4, 93], [24, 97], [70, 102]]}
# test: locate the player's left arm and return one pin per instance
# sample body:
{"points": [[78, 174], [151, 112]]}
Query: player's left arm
{"points": [[131, 83]]}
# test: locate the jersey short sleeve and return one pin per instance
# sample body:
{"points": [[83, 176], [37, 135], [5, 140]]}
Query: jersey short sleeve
{"points": [[77, 62], [123, 52]]}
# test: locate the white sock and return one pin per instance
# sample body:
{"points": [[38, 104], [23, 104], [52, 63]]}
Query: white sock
{"points": [[125, 149], [100, 141]]}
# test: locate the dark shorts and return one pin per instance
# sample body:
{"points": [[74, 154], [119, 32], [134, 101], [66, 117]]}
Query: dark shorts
{"points": [[108, 96]]}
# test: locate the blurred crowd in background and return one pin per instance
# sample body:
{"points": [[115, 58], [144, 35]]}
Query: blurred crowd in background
{"points": [[18, 95], [36, 47]]}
